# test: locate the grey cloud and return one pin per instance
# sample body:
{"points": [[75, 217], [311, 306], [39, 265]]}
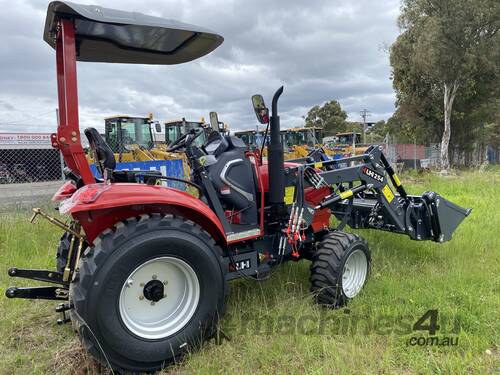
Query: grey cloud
{"points": [[320, 50]]}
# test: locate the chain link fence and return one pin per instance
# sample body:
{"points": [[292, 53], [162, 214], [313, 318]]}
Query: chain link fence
{"points": [[414, 156], [31, 170], [19, 166], [31, 174]]}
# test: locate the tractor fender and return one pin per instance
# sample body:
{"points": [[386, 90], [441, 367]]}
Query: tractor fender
{"points": [[100, 206]]}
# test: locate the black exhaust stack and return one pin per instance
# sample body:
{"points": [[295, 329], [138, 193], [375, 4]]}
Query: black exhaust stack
{"points": [[275, 159]]}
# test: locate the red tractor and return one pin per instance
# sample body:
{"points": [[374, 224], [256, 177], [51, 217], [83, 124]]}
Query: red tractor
{"points": [[143, 269]]}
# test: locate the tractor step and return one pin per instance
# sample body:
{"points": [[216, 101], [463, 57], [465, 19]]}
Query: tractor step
{"points": [[38, 292], [53, 277]]}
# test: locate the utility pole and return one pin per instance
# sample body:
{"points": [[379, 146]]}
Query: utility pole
{"points": [[364, 114]]}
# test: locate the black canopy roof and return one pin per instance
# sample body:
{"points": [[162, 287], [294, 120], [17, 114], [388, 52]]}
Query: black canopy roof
{"points": [[115, 36]]}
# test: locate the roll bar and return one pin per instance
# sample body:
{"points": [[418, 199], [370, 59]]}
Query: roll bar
{"points": [[92, 33]]}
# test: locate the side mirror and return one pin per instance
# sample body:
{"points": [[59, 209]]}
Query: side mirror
{"points": [[214, 121], [158, 127], [261, 111]]}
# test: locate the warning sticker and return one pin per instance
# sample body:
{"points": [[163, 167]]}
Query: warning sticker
{"points": [[396, 179], [289, 193], [388, 194], [318, 165], [346, 194]]}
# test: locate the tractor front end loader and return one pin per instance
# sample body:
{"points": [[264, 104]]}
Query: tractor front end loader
{"points": [[142, 269]]}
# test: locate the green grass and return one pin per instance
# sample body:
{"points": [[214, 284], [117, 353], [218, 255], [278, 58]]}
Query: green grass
{"points": [[459, 278]]}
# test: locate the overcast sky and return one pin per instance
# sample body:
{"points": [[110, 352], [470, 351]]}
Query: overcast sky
{"points": [[319, 50]]}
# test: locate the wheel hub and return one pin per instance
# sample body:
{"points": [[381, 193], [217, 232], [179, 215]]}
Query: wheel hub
{"points": [[354, 273], [143, 306], [154, 290]]}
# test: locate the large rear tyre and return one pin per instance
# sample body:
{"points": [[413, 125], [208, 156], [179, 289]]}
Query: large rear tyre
{"points": [[62, 251], [148, 292], [339, 268]]}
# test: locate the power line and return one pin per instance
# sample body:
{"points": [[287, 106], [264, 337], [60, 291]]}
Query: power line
{"points": [[22, 121]]}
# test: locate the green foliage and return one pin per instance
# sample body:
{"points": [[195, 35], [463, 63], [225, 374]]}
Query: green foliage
{"points": [[378, 132], [330, 116], [445, 44], [446, 41]]}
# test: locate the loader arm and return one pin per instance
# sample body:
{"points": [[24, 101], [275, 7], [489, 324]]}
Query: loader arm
{"points": [[369, 201]]}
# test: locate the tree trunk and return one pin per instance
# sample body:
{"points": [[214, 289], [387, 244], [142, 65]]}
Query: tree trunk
{"points": [[449, 96]]}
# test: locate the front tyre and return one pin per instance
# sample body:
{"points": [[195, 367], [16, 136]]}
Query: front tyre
{"points": [[339, 268], [147, 292]]}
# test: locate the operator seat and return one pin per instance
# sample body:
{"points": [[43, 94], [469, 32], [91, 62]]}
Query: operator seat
{"points": [[232, 175], [216, 144], [103, 155], [105, 162]]}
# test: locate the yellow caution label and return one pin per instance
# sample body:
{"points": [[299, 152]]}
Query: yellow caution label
{"points": [[388, 194], [318, 165], [346, 194], [289, 193], [396, 179]]}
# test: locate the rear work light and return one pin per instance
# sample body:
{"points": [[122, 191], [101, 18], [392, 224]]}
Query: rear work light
{"points": [[85, 195], [64, 192]]}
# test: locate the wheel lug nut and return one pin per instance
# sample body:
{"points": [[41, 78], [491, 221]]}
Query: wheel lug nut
{"points": [[141, 297], [165, 282], [152, 303], [154, 277], [141, 285]]}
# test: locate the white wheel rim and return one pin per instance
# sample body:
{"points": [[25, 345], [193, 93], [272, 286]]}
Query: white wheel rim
{"points": [[155, 320], [354, 273]]}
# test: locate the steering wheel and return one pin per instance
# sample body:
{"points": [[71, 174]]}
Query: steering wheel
{"points": [[185, 140]]}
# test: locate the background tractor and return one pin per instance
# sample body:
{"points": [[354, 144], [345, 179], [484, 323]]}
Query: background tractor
{"points": [[143, 269], [252, 138], [346, 143], [179, 128], [176, 129], [131, 139], [298, 143]]}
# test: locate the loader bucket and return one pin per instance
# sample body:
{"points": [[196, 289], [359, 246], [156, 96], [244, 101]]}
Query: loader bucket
{"points": [[445, 216]]}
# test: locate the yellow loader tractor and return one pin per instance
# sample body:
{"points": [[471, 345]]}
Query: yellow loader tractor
{"points": [[346, 143], [298, 142], [131, 139], [252, 138], [176, 129]]}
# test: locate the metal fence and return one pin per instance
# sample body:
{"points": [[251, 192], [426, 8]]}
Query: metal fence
{"points": [[30, 165], [31, 176], [414, 156]]}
